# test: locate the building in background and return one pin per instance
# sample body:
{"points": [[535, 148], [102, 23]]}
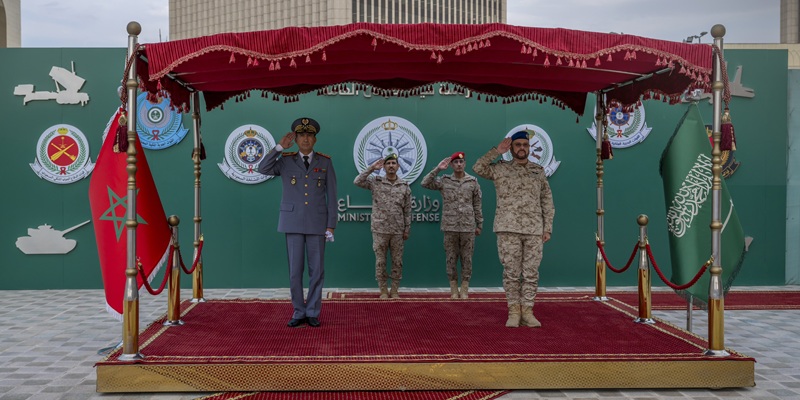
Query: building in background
{"points": [[10, 26], [193, 18]]}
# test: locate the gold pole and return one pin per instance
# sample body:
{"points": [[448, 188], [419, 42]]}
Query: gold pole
{"points": [[174, 297], [197, 275], [716, 307], [599, 263], [130, 307], [645, 302]]}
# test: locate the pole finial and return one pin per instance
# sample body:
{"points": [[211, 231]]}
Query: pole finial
{"points": [[718, 31], [642, 220], [134, 28]]}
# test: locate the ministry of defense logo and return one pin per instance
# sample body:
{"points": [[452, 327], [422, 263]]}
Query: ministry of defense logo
{"points": [[62, 155], [158, 125], [624, 129], [386, 135], [542, 152], [245, 148]]}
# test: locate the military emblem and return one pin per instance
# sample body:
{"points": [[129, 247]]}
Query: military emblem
{"points": [[245, 148], [158, 125], [729, 163], [625, 129], [62, 155], [386, 135], [542, 152]]}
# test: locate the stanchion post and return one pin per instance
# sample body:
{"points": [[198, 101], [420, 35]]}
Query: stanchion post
{"points": [[130, 305], [174, 294], [599, 263], [716, 302], [645, 293], [197, 275]]}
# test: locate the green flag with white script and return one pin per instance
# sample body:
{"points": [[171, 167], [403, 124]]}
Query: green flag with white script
{"points": [[686, 174]]}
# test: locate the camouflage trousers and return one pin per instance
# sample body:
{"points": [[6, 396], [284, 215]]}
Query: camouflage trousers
{"points": [[520, 255], [381, 242], [459, 245]]}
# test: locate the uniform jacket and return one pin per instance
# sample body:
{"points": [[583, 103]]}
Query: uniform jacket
{"points": [[524, 200], [461, 211], [391, 203], [308, 203]]}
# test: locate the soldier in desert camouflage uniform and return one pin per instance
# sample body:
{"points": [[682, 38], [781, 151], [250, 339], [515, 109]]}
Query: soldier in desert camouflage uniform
{"points": [[391, 219], [462, 218], [523, 222]]}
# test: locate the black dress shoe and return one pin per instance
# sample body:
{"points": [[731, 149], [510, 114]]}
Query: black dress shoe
{"points": [[313, 322], [295, 322]]}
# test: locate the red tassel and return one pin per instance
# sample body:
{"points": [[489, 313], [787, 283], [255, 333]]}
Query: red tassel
{"points": [[374, 42], [606, 152], [232, 60], [558, 61], [488, 43], [249, 61], [728, 138], [458, 52], [278, 65], [480, 45], [293, 64], [433, 55], [202, 151], [308, 58], [439, 60], [571, 64], [324, 56], [597, 61], [522, 50], [546, 61], [535, 53], [122, 133], [583, 64], [272, 66]]}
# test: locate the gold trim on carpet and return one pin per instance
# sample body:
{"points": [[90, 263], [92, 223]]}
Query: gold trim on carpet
{"points": [[425, 376]]}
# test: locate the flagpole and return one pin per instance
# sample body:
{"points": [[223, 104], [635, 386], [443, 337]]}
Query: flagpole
{"points": [[716, 307], [599, 263], [130, 307], [197, 275]]}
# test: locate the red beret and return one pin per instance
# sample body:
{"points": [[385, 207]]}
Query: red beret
{"points": [[458, 154]]}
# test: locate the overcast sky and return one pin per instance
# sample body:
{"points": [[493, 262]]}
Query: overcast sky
{"points": [[101, 23]]}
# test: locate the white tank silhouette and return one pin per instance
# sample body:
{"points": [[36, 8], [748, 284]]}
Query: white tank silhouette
{"points": [[46, 240]]}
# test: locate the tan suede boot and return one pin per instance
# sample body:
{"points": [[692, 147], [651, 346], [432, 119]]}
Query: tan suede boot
{"points": [[384, 290], [513, 316], [393, 293], [528, 319], [464, 289], [453, 289]]}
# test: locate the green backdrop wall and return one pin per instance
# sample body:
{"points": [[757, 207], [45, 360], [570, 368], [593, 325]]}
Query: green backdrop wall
{"points": [[243, 248]]}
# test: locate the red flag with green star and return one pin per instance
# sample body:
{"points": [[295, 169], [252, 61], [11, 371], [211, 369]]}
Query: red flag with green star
{"points": [[108, 198]]}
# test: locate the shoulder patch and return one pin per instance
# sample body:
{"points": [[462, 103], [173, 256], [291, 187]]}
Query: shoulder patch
{"points": [[288, 153], [323, 155]]}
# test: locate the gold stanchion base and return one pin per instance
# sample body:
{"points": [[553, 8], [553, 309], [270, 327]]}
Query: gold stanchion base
{"points": [[131, 357]]}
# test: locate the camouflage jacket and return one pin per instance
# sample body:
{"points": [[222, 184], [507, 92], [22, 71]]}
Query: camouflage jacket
{"points": [[391, 203], [462, 201], [524, 200]]}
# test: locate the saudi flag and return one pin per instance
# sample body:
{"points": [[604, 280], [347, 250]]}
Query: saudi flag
{"points": [[686, 173]]}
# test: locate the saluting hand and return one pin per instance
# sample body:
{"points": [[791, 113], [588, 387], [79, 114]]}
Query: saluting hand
{"points": [[443, 164], [504, 145], [287, 140], [545, 237], [376, 165]]}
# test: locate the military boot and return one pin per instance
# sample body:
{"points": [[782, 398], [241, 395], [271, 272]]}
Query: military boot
{"points": [[393, 293], [384, 289], [528, 319], [453, 289], [464, 289], [513, 316]]}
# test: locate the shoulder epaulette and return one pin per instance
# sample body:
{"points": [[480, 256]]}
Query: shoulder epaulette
{"points": [[324, 155], [288, 153]]}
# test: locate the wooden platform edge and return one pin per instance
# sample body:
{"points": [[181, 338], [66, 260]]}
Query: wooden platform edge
{"points": [[639, 374]]}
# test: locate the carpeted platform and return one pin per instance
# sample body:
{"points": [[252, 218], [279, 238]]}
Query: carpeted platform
{"points": [[417, 344], [734, 300], [407, 395]]}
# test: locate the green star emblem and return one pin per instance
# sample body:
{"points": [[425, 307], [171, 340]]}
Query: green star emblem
{"points": [[110, 214]]}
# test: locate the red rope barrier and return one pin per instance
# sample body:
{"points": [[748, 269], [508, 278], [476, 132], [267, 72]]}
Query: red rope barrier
{"points": [[603, 253], [196, 259], [166, 275], [670, 284]]}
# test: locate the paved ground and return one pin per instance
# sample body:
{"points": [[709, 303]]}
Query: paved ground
{"points": [[49, 342]]}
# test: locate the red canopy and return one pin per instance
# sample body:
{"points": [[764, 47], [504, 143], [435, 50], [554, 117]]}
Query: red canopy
{"points": [[511, 62]]}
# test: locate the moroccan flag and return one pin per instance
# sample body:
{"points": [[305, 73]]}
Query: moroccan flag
{"points": [[108, 198], [686, 174]]}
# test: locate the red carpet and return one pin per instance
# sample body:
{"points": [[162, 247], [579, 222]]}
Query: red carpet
{"points": [[355, 331], [734, 300], [408, 395]]}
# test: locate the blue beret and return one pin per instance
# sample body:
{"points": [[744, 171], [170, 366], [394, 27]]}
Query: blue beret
{"points": [[305, 125], [519, 135]]}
